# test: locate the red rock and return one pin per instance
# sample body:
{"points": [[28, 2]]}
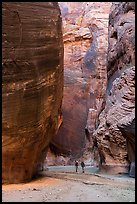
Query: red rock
{"points": [[32, 85], [114, 120], [85, 34]]}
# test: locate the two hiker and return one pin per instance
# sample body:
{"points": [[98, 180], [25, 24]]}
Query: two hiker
{"points": [[82, 166]]}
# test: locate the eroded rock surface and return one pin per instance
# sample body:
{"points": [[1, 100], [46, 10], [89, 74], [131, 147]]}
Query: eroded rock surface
{"points": [[127, 127], [85, 34], [32, 85], [117, 119]]}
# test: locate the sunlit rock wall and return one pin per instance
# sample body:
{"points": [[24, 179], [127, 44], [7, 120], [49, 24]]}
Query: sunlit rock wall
{"points": [[32, 85]]}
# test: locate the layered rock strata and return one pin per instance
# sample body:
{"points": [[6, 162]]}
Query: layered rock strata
{"points": [[32, 85], [85, 34], [115, 134]]}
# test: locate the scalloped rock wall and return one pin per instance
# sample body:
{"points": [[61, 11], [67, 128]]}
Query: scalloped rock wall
{"points": [[115, 134]]}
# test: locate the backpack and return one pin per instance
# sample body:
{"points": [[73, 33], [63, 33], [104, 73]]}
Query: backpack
{"points": [[76, 163], [82, 164]]}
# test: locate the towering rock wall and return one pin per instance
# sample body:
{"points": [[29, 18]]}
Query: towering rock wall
{"points": [[32, 85], [85, 34], [116, 132]]}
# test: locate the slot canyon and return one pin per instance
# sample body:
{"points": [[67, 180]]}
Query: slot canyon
{"points": [[68, 87]]}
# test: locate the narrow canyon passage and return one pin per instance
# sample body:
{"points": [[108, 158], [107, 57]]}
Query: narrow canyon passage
{"points": [[99, 87], [85, 36], [68, 93]]}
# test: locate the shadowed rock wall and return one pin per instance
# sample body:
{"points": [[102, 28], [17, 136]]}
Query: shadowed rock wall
{"points": [[116, 135], [32, 85], [85, 34]]}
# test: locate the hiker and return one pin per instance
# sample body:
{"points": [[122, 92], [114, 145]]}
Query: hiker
{"points": [[82, 165], [76, 165]]}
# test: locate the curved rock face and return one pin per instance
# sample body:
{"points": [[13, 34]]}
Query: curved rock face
{"points": [[32, 85], [116, 122], [85, 34]]}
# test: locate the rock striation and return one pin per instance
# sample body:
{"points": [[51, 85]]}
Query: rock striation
{"points": [[32, 85], [115, 134]]}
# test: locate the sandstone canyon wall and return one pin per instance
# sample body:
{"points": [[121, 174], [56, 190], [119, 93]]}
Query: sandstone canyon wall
{"points": [[32, 85], [85, 34], [115, 134]]}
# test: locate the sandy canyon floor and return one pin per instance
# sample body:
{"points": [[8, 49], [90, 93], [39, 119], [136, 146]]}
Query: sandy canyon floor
{"points": [[63, 184]]}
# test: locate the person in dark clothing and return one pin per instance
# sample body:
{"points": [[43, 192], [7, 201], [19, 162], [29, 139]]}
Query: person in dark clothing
{"points": [[83, 166], [76, 165]]}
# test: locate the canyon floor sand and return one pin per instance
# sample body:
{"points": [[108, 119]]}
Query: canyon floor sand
{"points": [[63, 184]]}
